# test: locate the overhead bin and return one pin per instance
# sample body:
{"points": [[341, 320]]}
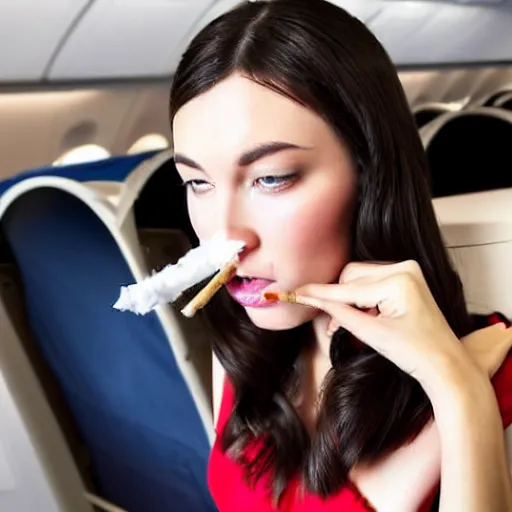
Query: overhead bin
{"points": [[62, 40], [136, 390], [30, 33], [482, 35], [127, 39]]}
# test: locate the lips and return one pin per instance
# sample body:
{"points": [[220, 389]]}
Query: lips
{"points": [[248, 291]]}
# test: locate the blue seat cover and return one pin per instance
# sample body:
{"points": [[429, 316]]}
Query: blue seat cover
{"points": [[148, 445], [111, 169]]}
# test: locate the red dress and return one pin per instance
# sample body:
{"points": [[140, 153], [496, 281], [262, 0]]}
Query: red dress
{"points": [[231, 494]]}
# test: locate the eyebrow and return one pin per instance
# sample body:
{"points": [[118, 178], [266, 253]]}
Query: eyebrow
{"points": [[247, 158]]}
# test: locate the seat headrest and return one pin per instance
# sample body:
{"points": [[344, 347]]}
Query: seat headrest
{"points": [[426, 113], [507, 105], [469, 151], [114, 169], [475, 219], [477, 229], [494, 99], [505, 101]]}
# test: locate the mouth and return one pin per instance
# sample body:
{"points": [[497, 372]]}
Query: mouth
{"points": [[248, 291]]}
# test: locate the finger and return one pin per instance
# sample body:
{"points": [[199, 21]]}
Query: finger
{"points": [[361, 270], [332, 327], [363, 326], [362, 295], [377, 270]]}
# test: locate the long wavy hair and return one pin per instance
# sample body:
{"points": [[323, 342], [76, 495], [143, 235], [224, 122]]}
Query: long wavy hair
{"points": [[321, 57]]}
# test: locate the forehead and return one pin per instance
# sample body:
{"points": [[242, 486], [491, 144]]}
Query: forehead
{"points": [[239, 113]]}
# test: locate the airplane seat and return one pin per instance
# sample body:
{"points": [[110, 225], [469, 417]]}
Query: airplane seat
{"points": [[137, 413], [13, 300], [120, 380], [165, 234], [426, 113], [425, 116], [494, 99], [477, 229], [468, 151], [507, 105], [487, 99], [505, 102]]}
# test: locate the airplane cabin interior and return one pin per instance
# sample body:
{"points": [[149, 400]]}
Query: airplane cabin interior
{"points": [[113, 412]]}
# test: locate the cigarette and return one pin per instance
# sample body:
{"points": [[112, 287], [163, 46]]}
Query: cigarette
{"points": [[168, 284], [205, 295], [281, 297]]}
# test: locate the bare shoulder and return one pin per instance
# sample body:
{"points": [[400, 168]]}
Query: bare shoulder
{"points": [[218, 375]]}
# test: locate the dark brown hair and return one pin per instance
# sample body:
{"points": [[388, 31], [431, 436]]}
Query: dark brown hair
{"points": [[320, 56]]}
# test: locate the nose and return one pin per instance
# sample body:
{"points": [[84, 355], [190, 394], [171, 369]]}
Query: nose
{"points": [[236, 219], [246, 235]]}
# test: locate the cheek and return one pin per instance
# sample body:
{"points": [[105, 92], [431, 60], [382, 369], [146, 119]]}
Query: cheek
{"points": [[313, 237], [202, 223]]}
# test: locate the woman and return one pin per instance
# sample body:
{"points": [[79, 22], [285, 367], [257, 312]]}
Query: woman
{"points": [[292, 133]]}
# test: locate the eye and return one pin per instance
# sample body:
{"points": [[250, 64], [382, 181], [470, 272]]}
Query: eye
{"points": [[275, 183], [198, 186]]}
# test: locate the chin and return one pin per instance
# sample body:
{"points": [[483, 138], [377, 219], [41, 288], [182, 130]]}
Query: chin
{"points": [[280, 317]]}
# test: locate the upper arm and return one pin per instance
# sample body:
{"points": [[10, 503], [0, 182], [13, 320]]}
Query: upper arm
{"points": [[218, 375]]}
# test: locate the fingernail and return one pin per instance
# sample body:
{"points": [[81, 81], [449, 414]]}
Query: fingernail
{"points": [[281, 296], [274, 297], [331, 328]]}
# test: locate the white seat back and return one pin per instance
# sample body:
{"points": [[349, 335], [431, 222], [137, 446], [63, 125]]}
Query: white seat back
{"points": [[477, 229], [427, 112]]}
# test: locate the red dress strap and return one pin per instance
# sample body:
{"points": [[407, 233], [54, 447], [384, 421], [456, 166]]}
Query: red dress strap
{"points": [[502, 381]]}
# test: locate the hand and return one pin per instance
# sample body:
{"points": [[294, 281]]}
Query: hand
{"points": [[487, 347], [409, 329], [417, 465]]}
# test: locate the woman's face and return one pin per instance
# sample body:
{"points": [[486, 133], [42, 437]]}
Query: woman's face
{"points": [[272, 173]]}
